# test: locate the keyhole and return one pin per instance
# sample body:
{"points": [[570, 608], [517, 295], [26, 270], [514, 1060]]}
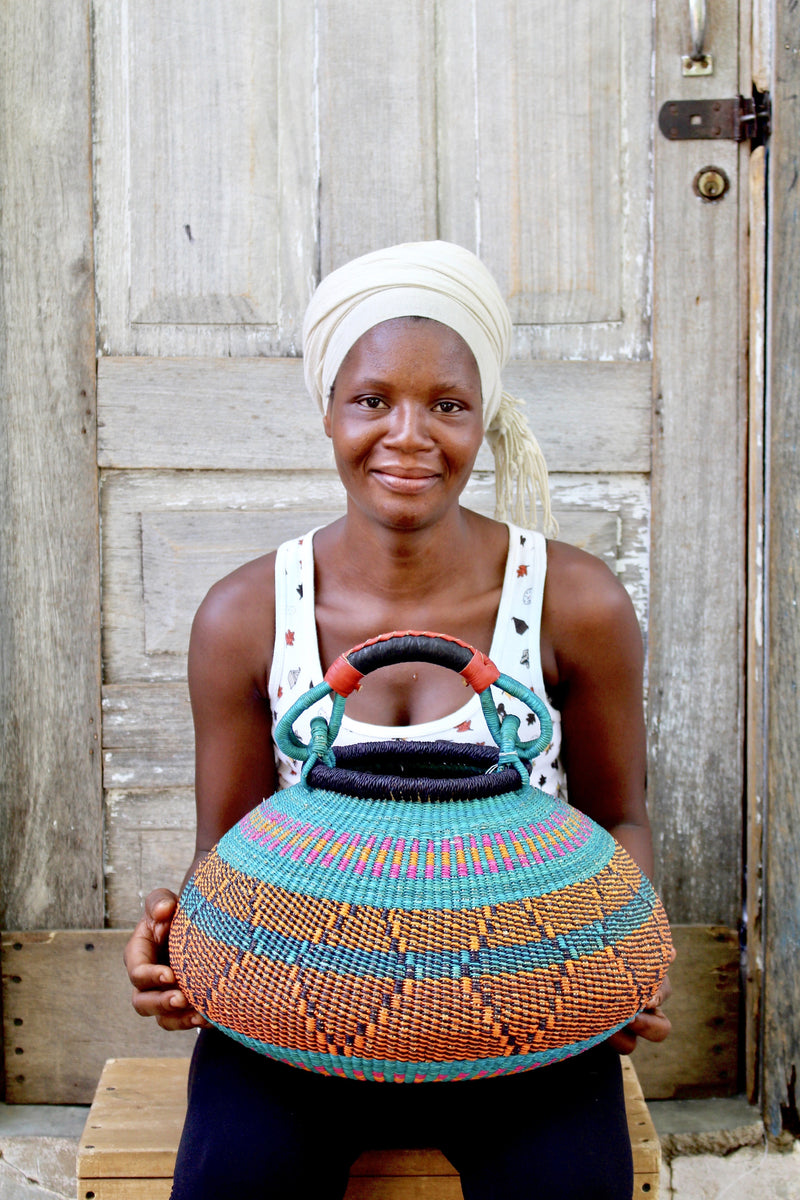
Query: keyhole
{"points": [[711, 183]]}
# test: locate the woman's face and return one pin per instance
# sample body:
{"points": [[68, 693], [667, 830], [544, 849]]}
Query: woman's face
{"points": [[406, 422]]}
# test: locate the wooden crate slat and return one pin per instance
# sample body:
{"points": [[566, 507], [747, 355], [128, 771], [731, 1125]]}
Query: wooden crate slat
{"points": [[66, 1009], [133, 1128]]}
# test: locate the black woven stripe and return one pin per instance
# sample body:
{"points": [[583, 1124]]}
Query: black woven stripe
{"points": [[422, 771], [410, 648]]}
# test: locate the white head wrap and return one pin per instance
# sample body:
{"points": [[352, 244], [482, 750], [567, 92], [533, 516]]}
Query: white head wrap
{"points": [[448, 284]]}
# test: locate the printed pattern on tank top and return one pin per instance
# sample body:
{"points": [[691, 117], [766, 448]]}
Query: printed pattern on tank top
{"points": [[515, 650]]}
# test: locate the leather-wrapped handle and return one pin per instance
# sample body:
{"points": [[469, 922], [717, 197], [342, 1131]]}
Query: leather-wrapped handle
{"points": [[345, 674]]}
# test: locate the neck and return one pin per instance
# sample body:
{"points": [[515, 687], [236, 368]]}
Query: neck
{"points": [[401, 563]]}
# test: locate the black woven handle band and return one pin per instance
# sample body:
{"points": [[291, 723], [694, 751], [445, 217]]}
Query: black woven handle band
{"points": [[410, 647], [345, 674]]}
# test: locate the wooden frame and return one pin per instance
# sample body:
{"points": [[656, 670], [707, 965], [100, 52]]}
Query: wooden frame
{"points": [[781, 1008], [51, 813]]}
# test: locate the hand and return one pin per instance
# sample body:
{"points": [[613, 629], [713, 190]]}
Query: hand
{"points": [[155, 990], [651, 1023]]}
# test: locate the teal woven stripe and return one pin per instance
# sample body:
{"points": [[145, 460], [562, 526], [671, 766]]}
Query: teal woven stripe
{"points": [[368, 875], [336, 960], [426, 1072]]}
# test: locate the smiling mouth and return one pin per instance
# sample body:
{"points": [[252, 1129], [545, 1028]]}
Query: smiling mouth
{"points": [[408, 482]]}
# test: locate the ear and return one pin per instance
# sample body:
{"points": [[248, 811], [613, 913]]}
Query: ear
{"points": [[326, 421]]}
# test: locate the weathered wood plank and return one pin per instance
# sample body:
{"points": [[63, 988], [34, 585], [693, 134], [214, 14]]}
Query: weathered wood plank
{"points": [[573, 275], [184, 553], [604, 514], [572, 260], [50, 816], [206, 238], [54, 1047], [202, 162], [284, 505], [125, 1189], [135, 1121], [402, 1162], [698, 537], [148, 740], [378, 125], [255, 414], [781, 1062], [700, 1056], [149, 842], [756, 749], [399, 1188]]}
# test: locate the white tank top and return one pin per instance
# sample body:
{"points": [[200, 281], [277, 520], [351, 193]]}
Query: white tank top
{"points": [[515, 650]]}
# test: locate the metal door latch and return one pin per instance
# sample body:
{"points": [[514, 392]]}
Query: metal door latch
{"points": [[739, 119]]}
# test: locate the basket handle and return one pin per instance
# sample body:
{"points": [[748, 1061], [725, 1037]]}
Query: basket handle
{"points": [[344, 676]]}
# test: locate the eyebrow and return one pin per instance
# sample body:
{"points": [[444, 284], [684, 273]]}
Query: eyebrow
{"points": [[379, 382]]}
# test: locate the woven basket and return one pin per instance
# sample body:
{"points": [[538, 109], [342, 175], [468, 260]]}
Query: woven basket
{"points": [[415, 912]]}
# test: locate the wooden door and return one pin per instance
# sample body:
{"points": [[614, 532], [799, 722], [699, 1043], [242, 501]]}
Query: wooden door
{"points": [[241, 151]]}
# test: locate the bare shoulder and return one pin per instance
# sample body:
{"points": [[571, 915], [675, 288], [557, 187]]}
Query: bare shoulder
{"points": [[587, 613], [236, 620]]}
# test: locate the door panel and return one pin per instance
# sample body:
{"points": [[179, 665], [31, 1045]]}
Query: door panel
{"points": [[206, 235], [377, 126], [168, 535], [548, 178]]}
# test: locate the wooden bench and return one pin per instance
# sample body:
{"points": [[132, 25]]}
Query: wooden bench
{"points": [[128, 1147]]}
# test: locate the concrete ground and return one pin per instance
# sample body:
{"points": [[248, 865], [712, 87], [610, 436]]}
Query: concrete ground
{"points": [[717, 1150], [38, 1148], [713, 1150], [747, 1174]]}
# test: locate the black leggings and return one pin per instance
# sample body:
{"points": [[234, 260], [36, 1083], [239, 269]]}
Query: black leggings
{"points": [[257, 1129]]}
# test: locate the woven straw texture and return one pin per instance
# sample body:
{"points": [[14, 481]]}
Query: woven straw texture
{"points": [[412, 937]]}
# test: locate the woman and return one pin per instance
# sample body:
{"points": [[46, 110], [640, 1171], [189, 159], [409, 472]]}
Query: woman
{"points": [[403, 351]]}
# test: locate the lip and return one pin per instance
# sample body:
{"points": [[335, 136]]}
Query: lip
{"points": [[409, 481]]}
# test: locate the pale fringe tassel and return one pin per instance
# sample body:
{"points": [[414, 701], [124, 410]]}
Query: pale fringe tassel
{"points": [[520, 469]]}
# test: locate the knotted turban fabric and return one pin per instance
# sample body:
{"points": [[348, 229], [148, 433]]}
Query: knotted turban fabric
{"points": [[445, 283]]}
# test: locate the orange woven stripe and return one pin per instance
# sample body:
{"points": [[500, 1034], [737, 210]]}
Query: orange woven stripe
{"points": [[368, 927], [433, 1019]]}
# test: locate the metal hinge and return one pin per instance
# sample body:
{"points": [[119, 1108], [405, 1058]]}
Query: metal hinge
{"points": [[740, 119]]}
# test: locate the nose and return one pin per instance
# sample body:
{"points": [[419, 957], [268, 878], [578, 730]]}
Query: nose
{"points": [[409, 426]]}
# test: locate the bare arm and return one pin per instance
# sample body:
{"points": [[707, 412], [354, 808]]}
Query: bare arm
{"points": [[229, 658], [594, 659]]}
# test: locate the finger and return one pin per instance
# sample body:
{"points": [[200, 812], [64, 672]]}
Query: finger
{"points": [[662, 995], [147, 944], [154, 1002], [151, 976], [159, 909], [623, 1041], [652, 1026], [142, 954], [192, 1020], [160, 904]]}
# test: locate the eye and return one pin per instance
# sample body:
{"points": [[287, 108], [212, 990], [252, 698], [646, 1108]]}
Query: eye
{"points": [[373, 403], [448, 406]]}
